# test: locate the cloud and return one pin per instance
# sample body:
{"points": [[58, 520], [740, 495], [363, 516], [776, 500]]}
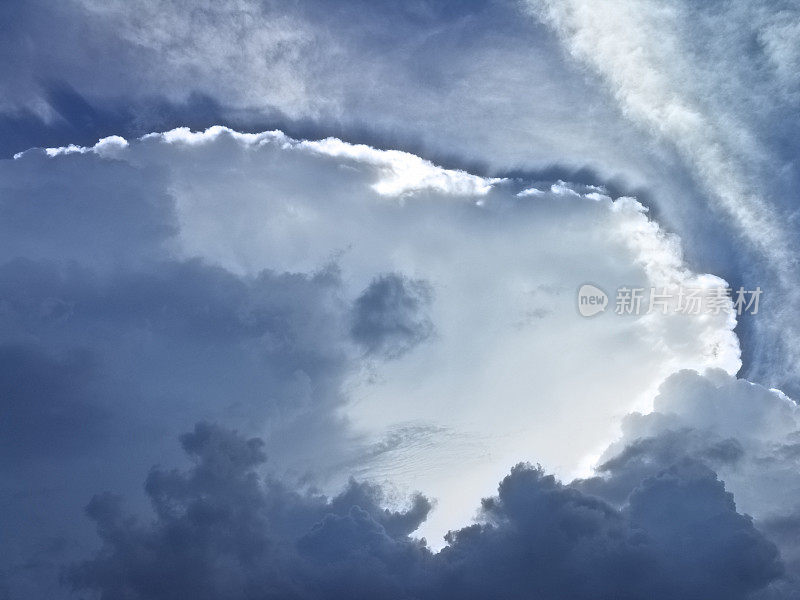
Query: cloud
{"points": [[205, 274], [46, 401], [441, 81], [678, 536], [220, 532], [744, 432], [499, 259], [364, 310], [467, 85], [109, 342], [387, 319], [645, 70], [712, 81]]}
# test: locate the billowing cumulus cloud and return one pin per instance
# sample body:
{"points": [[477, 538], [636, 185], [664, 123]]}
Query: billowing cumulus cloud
{"points": [[353, 307], [484, 85], [489, 280], [220, 532], [360, 342], [746, 433], [657, 523]]}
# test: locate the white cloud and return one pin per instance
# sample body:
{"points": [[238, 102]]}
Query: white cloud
{"points": [[398, 173], [715, 410], [511, 372], [717, 83], [636, 46]]}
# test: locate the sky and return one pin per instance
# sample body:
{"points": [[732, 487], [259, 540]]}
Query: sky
{"points": [[295, 300]]}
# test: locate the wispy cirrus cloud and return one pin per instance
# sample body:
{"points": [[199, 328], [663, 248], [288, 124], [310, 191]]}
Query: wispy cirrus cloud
{"points": [[719, 105]]}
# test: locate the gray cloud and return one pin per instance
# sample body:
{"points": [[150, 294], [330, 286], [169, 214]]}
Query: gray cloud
{"points": [[478, 85], [200, 275], [713, 79], [49, 405], [142, 289], [222, 533], [744, 432], [389, 317]]}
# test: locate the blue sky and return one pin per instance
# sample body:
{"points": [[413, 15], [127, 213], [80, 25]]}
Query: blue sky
{"points": [[288, 299]]}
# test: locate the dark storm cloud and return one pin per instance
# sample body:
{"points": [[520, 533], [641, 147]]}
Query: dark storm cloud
{"points": [[219, 533], [95, 367], [389, 316], [222, 533], [176, 303], [679, 536], [88, 269], [744, 432], [48, 404], [109, 344], [644, 457]]}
